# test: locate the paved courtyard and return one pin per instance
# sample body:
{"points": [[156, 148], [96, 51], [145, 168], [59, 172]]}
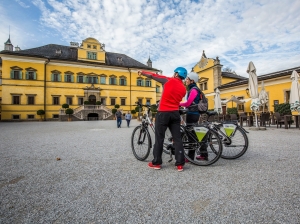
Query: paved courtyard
{"points": [[98, 180]]}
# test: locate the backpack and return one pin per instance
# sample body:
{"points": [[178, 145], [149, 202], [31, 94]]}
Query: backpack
{"points": [[202, 106]]}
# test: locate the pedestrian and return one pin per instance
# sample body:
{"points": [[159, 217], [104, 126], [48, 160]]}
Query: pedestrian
{"points": [[193, 114], [128, 118], [118, 116], [168, 115]]}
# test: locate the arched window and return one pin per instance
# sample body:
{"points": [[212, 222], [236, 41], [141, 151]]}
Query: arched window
{"points": [[140, 82], [113, 80], [122, 81]]}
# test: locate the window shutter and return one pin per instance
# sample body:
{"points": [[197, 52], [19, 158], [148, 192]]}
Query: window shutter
{"points": [[34, 75], [86, 79], [20, 74], [52, 77], [120, 81], [142, 82], [77, 78], [59, 77], [125, 82], [72, 78], [97, 80], [65, 78], [11, 74], [26, 75], [110, 80]]}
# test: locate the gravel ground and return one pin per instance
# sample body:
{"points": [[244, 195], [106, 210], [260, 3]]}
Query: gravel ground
{"points": [[98, 180]]}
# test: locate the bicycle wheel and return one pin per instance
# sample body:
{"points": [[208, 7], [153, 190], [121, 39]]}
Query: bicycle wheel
{"points": [[140, 143], [167, 141], [214, 149], [237, 146]]}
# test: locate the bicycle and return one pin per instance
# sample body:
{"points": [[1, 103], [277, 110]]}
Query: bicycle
{"points": [[141, 142], [234, 137]]}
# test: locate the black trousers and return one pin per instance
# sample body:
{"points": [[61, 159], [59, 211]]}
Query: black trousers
{"points": [[164, 120], [193, 118]]}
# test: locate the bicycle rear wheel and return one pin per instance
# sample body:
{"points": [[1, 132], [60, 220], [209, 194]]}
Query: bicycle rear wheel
{"points": [[167, 141], [237, 146], [140, 143], [214, 149]]}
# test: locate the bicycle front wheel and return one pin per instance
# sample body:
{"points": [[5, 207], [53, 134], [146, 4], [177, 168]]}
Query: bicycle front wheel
{"points": [[140, 143], [209, 152], [237, 146]]}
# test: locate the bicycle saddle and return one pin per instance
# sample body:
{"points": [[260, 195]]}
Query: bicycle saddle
{"points": [[211, 113], [182, 111]]}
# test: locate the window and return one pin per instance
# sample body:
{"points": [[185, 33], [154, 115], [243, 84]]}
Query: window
{"points": [[287, 96], [30, 100], [203, 86], [30, 116], [122, 82], [15, 117], [157, 89], [16, 99], [112, 101], [94, 47], [16, 74], [91, 79], [148, 83], [80, 101], [92, 55], [69, 78], [112, 81], [55, 77], [276, 102], [139, 82], [102, 80], [30, 75], [148, 102], [55, 116], [241, 105], [80, 78], [123, 102], [69, 100], [140, 101], [55, 100], [88, 46]]}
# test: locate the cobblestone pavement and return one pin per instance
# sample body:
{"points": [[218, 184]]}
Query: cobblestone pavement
{"points": [[98, 180]]}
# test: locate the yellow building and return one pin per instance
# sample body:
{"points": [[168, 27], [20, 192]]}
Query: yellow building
{"points": [[46, 77], [277, 84]]}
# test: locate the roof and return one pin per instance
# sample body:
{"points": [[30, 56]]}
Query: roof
{"points": [[60, 52], [8, 41], [261, 77], [232, 75]]}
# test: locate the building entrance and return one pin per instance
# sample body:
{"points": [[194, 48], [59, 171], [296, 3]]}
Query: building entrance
{"points": [[93, 117], [92, 99]]}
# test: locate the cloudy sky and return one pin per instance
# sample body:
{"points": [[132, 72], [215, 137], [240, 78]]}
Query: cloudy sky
{"points": [[173, 32]]}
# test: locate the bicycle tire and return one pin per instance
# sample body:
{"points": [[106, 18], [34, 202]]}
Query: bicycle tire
{"points": [[214, 152], [140, 143], [238, 145]]}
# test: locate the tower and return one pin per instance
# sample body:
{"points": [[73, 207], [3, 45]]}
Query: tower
{"points": [[149, 62], [8, 45]]}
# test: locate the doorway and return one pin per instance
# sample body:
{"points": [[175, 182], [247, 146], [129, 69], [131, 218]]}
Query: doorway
{"points": [[93, 117], [92, 100]]}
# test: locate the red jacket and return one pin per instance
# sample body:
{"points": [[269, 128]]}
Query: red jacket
{"points": [[173, 91]]}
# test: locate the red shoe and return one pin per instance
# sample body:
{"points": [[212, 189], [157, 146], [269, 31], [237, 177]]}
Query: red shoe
{"points": [[201, 158], [179, 168], [186, 160], [156, 167]]}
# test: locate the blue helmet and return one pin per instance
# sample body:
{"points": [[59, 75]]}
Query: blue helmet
{"points": [[182, 72]]}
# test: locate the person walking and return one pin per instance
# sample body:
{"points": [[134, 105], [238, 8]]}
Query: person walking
{"points": [[118, 116], [193, 114], [168, 115], [128, 118]]}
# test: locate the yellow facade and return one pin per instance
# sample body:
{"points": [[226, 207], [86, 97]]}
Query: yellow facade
{"points": [[62, 78]]}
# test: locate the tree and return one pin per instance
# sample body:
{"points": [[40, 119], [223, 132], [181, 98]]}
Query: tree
{"points": [[114, 111], [227, 69], [41, 113], [69, 111], [65, 106], [133, 111], [117, 106]]}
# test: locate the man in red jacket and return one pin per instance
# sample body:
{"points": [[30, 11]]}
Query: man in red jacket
{"points": [[168, 115]]}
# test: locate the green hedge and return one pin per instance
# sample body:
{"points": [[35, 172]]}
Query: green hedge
{"points": [[283, 109]]}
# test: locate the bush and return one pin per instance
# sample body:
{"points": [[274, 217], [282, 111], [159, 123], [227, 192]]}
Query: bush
{"points": [[41, 113], [283, 109], [133, 111], [98, 103], [86, 102], [137, 109], [232, 110], [117, 106], [153, 108], [69, 111], [65, 106], [114, 111]]}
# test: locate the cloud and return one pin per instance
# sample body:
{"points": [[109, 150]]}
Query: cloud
{"points": [[22, 4], [174, 33]]}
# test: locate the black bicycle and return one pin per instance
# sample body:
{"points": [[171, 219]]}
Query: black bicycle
{"points": [[193, 137]]}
